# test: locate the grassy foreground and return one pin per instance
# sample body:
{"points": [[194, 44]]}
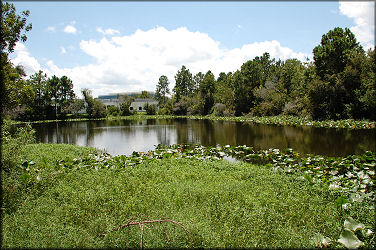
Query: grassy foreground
{"points": [[219, 203]]}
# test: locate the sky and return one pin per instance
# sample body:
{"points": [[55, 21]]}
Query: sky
{"points": [[125, 46]]}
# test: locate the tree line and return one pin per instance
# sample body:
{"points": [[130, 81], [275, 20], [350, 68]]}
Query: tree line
{"points": [[340, 83]]}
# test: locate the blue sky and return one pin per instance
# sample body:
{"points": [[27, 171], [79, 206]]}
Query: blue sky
{"points": [[126, 46]]}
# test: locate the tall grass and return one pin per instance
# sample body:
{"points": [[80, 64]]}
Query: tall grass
{"points": [[221, 204]]}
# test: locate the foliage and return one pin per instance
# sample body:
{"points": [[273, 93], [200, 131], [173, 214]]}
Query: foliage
{"points": [[184, 85], [151, 109], [12, 25], [95, 108], [206, 93], [161, 90], [144, 95], [219, 203], [14, 140], [112, 111], [125, 104]]}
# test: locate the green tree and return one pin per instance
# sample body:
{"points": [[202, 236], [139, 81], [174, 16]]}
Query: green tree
{"points": [[125, 104], [250, 76], [54, 86], [334, 52], [12, 30], [197, 79], [339, 77], [94, 108], [162, 90], [144, 95], [184, 85], [66, 94], [224, 93], [12, 27], [206, 92], [39, 81]]}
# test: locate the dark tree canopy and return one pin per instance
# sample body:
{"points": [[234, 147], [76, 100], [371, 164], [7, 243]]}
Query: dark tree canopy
{"points": [[334, 52]]}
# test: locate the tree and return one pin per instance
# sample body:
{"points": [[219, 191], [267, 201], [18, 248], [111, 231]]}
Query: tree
{"points": [[197, 79], [206, 92], [12, 26], [144, 95], [66, 93], [250, 76], [338, 75], [183, 83], [54, 88], [38, 81], [334, 52], [224, 93], [162, 90], [125, 104], [95, 108]]}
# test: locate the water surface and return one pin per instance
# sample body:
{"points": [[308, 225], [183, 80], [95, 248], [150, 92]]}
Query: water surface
{"points": [[125, 136]]}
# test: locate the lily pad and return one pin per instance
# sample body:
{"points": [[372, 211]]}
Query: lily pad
{"points": [[349, 239]]}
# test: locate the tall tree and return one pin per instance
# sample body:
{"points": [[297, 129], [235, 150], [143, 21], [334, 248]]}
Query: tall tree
{"points": [[66, 93], [12, 28], [206, 92], [162, 90], [334, 52], [54, 88], [197, 79], [183, 83], [250, 76]]}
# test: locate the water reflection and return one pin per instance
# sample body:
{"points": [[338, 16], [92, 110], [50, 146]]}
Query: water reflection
{"points": [[124, 136]]}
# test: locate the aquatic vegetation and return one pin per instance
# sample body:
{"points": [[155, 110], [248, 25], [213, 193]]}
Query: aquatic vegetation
{"points": [[350, 179], [351, 174], [270, 120]]}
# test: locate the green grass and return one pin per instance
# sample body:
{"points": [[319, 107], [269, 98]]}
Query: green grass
{"points": [[221, 204]]}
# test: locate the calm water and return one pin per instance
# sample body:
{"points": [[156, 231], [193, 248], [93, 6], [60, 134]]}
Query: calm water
{"points": [[124, 137]]}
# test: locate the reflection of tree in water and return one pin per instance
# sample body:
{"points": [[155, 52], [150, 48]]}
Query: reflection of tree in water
{"points": [[338, 142], [164, 130]]}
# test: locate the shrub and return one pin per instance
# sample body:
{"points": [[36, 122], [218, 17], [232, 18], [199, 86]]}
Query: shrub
{"points": [[13, 141], [151, 109], [219, 109], [113, 110]]}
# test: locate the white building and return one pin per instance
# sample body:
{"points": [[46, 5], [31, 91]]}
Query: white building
{"points": [[138, 104]]}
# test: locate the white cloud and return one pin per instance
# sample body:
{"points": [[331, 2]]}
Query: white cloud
{"points": [[51, 29], [108, 31], [63, 50], [135, 62], [23, 57], [363, 14], [70, 29]]}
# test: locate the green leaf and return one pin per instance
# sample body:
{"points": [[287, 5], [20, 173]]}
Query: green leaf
{"points": [[349, 239], [354, 226], [341, 201]]}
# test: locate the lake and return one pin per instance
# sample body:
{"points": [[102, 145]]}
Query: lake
{"points": [[125, 136]]}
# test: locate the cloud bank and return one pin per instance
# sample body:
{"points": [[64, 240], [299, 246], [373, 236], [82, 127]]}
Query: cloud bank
{"points": [[135, 62]]}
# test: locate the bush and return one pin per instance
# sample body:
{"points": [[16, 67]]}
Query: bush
{"points": [[13, 142], [164, 111], [113, 111], [151, 109], [219, 109]]}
